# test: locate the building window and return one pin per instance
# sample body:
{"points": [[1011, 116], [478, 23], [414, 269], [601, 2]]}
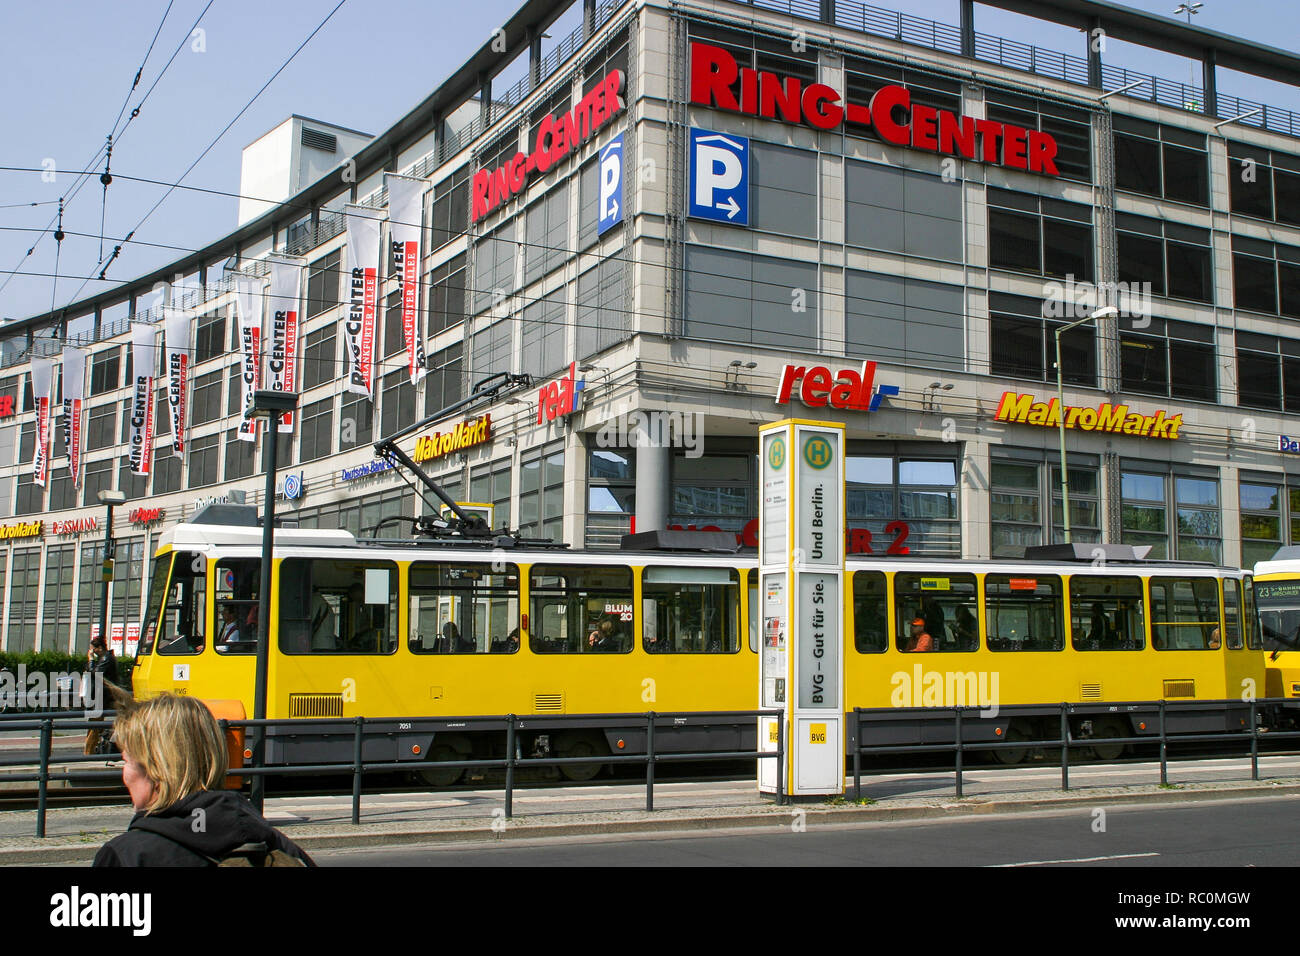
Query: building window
{"points": [[356, 421], [317, 431], [98, 477], [745, 299], [127, 583], [1184, 525], [1170, 359], [240, 456], [711, 492], [543, 334], [210, 339], [1268, 372], [1039, 235], [323, 283], [1264, 183], [24, 600], [1261, 520], [133, 486], [394, 336], [546, 233], [1022, 344], [447, 295], [450, 213], [783, 190], [101, 426], [398, 407], [203, 460], [88, 594], [320, 357], [166, 471], [1017, 517], [105, 368], [1161, 160], [206, 398], [588, 202], [235, 389], [611, 495], [903, 502], [31, 496], [56, 611], [1071, 128], [1175, 259], [602, 317], [490, 485], [900, 210], [494, 267], [1266, 276], [541, 493]]}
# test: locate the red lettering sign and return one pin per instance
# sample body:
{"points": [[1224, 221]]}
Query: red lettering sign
{"points": [[559, 398], [714, 72], [6, 406], [147, 515], [850, 389]]}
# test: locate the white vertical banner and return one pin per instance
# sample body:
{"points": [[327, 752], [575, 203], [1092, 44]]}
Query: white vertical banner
{"points": [[42, 385], [74, 395], [248, 300], [363, 287], [405, 218], [176, 330], [282, 359], [144, 359]]}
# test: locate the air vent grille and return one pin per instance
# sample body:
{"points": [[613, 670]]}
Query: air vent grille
{"points": [[319, 140], [1180, 688], [548, 703], [315, 705], [1090, 691]]}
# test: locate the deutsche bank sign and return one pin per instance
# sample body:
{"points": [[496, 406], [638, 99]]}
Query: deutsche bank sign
{"points": [[611, 185], [719, 177]]}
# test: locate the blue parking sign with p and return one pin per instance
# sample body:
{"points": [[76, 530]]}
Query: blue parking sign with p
{"points": [[719, 187], [610, 185]]}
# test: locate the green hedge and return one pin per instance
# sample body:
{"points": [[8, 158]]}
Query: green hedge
{"points": [[55, 662]]}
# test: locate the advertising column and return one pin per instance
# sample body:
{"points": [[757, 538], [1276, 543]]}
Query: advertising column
{"points": [[801, 570]]}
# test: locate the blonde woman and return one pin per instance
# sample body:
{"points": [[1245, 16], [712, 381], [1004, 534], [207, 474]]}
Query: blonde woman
{"points": [[174, 768]]}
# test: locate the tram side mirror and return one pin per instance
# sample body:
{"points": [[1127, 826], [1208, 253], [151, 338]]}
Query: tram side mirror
{"points": [[376, 585]]}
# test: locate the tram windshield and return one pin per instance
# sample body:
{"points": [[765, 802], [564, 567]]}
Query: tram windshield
{"points": [[1279, 613]]}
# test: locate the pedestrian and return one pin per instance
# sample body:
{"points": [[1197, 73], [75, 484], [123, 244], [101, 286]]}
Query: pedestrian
{"points": [[174, 769]]}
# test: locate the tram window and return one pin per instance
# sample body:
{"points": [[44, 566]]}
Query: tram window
{"points": [[690, 610], [331, 606], [870, 613], [237, 584], [463, 609], [1024, 612], [1184, 613], [182, 626], [1254, 639], [945, 602], [581, 610], [1106, 614], [753, 610], [1232, 613]]}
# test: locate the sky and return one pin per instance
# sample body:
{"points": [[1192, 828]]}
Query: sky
{"points": [[68, 75]]}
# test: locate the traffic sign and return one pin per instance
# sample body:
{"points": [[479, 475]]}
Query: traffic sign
{"points": [[610, 185], [719, 187]]}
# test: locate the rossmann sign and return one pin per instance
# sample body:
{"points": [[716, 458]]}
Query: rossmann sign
{"points": [[891, 113], [849, 389], [1022, 409], [557, 137]]}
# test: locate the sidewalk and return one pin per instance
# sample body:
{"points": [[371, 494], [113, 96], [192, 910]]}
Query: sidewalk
{"points": [[322, 822]]}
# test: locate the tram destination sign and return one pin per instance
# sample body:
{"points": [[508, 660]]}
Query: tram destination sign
{"points": [[719, 82]]}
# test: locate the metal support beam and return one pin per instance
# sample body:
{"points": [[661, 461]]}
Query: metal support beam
{"points": [[1209, 64], [534, 57], [968, 28], [826, 11], [485, 99], [1094, 41]]}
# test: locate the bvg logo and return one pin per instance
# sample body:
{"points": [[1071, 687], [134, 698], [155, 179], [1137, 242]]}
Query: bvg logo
{"points": [[817, 453], [776, 453]]}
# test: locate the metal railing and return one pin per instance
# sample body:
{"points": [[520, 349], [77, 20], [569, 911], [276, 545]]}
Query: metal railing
{"points": [[358, 767], [1250, 733]]}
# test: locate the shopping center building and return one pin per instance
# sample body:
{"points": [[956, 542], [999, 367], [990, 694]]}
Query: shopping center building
{"points": [[686, 219]]}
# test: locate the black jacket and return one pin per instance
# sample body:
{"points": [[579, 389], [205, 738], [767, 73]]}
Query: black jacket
{"points": [[106, 665], [228, 821]]}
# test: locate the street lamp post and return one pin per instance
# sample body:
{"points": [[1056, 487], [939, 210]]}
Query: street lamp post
{"points": [[268, 405], [110, 499], [1108, 311]]}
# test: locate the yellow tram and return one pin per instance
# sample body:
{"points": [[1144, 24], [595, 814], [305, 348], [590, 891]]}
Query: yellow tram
{"points": [[426, 632], [1278, 592]]}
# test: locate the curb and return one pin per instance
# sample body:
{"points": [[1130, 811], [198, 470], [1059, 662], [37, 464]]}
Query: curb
{"points": [[526, 829]]}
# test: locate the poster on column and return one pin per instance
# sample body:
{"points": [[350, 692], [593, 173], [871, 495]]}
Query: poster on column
{"points": [[115, 638], [42, 384], [405, 215], [176, 330], [248, 300], [74, 396], [132, 639], [144, 357], [363, 284], [282, 361]]}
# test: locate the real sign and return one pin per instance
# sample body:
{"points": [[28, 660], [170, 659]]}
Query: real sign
{"points": [[559, 398], [719, 187], [849, 389]]}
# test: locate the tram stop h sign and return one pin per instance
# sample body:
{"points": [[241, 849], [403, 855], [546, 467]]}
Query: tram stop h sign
{"points": [[801, 587]]}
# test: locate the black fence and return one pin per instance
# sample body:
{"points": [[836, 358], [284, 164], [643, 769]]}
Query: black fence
{"points": [[46, 724], [1153, 719]]}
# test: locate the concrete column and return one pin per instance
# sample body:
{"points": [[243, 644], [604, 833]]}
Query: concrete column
{"points": [[652, 483]]}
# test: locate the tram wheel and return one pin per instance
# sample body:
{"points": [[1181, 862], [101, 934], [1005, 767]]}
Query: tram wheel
{"points": [[441, 777], [1107, 730], [1010, 756], [580, 747]]}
